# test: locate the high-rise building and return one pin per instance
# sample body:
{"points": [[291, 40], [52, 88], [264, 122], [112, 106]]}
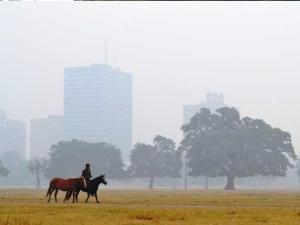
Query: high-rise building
{"points": [[98, 105], [213, 102], [44, 133], [12, 135]]}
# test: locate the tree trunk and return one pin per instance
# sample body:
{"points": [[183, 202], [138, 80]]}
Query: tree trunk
{"points": [[230, 183], [185, 182], [38, 182], [151, 183], [185, 172], [206, 182]]}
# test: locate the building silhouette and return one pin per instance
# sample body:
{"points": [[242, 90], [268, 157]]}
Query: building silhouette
{"points": [[44, 133], [213, 102], [12, 135], [98, 105]]}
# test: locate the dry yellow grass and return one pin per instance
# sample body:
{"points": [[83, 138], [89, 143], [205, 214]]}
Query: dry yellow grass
{"points": [[134, 206]]}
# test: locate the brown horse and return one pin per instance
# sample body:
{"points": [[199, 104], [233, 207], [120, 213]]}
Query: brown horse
{"points": [[70, 185]]}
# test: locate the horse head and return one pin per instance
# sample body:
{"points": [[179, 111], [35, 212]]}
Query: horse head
{"points": [[102, 179]]}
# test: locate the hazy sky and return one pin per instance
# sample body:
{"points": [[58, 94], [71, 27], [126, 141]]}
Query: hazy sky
{"points": [[177, 52]]}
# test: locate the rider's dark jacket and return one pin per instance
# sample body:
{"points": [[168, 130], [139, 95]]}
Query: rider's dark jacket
{"points": [[86, 173]]}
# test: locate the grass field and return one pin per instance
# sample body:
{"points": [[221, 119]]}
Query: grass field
{"points": [[135, 206]]}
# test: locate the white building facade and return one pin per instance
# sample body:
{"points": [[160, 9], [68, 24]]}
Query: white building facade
{"points": [[44, 133], [12, 135], [98, 105]]}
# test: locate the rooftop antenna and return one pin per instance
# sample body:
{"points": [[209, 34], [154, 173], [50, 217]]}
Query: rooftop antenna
{"points": [[105, 53]]}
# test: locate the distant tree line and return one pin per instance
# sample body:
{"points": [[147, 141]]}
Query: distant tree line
{"points": [[158, 160], [3, 170], [216, 144], [13, 170], [67, 159], [161, 159]]}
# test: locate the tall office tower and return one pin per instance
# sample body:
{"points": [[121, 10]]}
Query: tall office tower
{"points": [[44, 133], [98, 106], [213, 102], [12, 135]]}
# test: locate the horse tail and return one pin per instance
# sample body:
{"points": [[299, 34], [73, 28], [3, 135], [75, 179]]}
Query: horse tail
{"points": [[48, 192], [49, 189]]}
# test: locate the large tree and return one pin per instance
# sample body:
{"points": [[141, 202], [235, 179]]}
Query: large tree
{"points": [[3, 171], [158, 160], [223, 144], [36, 167], [68, 158], [298, 168]]}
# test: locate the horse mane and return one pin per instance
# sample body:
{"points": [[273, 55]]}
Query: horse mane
{"points": [[96, 180]]}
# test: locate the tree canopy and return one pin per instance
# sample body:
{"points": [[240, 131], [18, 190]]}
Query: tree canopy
{"points": [[68, 158], [158, 160], [223, 144], [36, 167], [3, 171]]}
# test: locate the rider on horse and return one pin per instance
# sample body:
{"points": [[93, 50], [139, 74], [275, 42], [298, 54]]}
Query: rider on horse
{"points": [[86, 174]]}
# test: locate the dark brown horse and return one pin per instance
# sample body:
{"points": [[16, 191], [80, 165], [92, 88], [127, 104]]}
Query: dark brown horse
{"points": [[72, 185], [91, 189]]}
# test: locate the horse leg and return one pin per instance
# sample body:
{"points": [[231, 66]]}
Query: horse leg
{"points": [[97, 198], [77, 193], [50, 193], [66, 196], [73, 195], [88, 195], [55, 195], [76, 196]]}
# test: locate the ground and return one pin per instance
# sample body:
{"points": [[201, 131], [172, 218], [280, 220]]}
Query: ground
{"points": [[137, 207]]}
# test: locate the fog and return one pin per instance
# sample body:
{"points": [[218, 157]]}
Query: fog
{"points": [[177, 52]]}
